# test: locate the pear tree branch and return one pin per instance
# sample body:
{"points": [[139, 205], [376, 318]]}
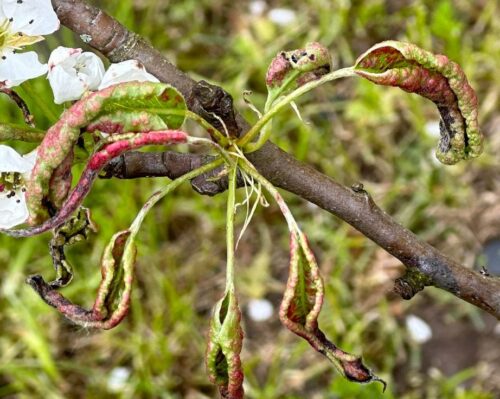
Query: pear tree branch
{"points": [[426, 266]]}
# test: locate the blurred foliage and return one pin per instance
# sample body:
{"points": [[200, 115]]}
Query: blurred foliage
{"points": [[354, 131]]}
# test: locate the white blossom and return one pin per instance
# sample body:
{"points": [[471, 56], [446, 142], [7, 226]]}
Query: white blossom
{"points": [[22, 22], [126, 71], [14, 169], [118, 379], [418, 329], [282, 16], [260, 309], [72, 72], [257, 7]]}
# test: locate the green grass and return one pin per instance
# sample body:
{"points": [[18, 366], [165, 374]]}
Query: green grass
{"points": [[356, 132]]}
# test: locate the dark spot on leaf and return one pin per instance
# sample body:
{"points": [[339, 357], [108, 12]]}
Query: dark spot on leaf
{"points": [[165, 96]]}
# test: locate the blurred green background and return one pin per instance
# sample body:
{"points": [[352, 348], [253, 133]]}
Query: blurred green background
{"points": [[354, 131]]}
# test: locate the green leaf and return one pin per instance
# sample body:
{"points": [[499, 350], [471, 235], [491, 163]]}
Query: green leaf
{"points": [[146, 96], [435, 77]]}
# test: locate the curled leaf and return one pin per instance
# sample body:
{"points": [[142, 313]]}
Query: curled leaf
{"points": [[121, 122], [225, 340], [113, 296], [302, 304], [393, 63], [121, 144], [295, 68], [137, 102], [74, 230]]}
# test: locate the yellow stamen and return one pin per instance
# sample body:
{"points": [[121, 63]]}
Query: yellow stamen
{"points": [[14, 40]]}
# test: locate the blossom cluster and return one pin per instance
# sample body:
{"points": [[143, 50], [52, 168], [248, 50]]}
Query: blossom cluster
{"points": [[71, 73]]}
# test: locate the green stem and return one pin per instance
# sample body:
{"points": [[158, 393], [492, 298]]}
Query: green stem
{"points": [[247, 138], [136, 224], [249, 169], [230, 227], [10, 131], [274, 94], [41, 103], [221, 139]]}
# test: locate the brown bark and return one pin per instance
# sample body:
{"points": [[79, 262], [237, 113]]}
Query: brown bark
{"points": [[426, 266]]}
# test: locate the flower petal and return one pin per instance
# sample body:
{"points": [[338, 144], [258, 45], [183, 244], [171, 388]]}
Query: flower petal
{"points": [[11, 161], [72, 72], [126, 71], [65, 84], [13, 212], [30, 159], [31, 17], [91, 70], [62, 74], [65, 56], [17, 68]]}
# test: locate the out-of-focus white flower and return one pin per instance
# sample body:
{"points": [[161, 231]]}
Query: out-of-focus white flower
{"points": [[72, 72], [118, 379], [126, 71], [22, 22], [257, 7], [14, 169], [282, 16], [419, 330], [260, 309]]}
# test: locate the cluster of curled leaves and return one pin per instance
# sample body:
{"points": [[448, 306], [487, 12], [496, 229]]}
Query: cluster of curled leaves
{"points": [[131, 115]]}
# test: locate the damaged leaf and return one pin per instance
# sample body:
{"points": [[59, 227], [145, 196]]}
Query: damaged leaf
{"points": [[404, 65], [136, 102], [74, 230], [113, 296], [295, 68], [118, 145], [302, 304], [225, 340]]}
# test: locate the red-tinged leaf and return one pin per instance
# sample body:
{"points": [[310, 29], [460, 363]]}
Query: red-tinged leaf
{"points": [[127, 122], [300, 309], [225, 340], [111, 150], [435, 77], [290, 69], [139, 103], [113, 296]]}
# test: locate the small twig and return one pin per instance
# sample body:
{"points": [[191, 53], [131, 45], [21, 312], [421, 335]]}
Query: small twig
{"points": [[28, 117]]}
